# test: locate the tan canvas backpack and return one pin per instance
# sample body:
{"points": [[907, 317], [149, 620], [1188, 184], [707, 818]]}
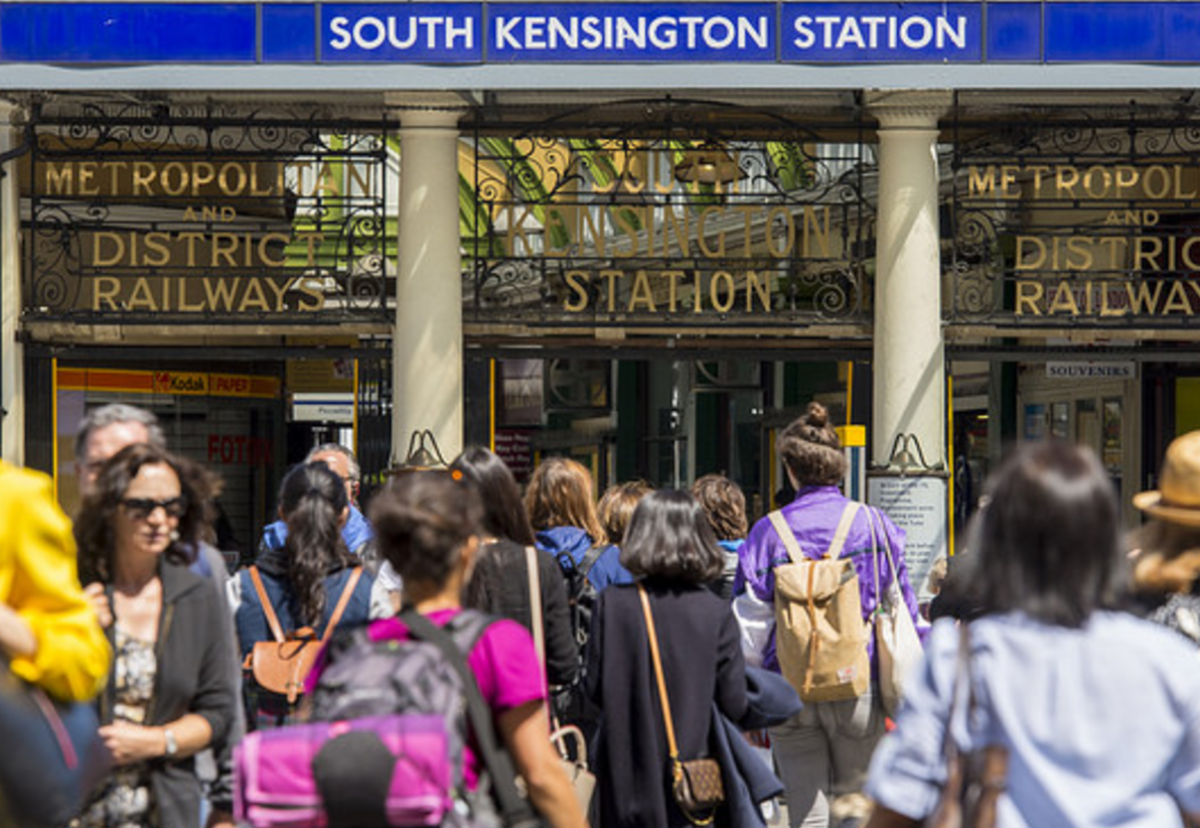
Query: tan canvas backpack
{"points": [[820, 636]]}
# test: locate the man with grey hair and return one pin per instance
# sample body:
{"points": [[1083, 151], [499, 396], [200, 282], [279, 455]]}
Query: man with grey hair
{"points": [[357, 532], [108, 429], [103, 432]]}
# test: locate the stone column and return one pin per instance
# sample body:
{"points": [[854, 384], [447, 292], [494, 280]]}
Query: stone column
{"points": [[909, 366], [427, 345], [12, 352]]}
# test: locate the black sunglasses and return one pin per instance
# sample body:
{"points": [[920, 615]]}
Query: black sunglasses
{"points": [[140, 508]]}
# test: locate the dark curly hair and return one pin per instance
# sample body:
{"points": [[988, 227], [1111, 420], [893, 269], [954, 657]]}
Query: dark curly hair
{"points": [[724, 503], [312, 498], [811, 450], [422, 520], [95, 535]]}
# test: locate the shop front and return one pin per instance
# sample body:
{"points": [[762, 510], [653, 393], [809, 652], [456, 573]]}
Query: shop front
{"points": [[220, 269]]}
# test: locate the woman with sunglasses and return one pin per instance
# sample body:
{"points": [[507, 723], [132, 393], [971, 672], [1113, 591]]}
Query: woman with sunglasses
{"points": [[171, 691]]}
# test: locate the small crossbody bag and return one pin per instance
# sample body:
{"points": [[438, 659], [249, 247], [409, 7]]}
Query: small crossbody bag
{"points": [[696, 784]]}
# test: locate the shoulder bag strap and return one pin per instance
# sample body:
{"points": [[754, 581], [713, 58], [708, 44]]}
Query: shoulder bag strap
{"points": [[539, 630], [343, 600], [871, 515], [652, 635], [962, 693], [268, 610], [887, 545], [516, 812], [535, 608]]}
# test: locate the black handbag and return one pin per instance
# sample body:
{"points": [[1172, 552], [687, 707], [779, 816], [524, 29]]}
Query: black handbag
{"points": [[53, 758]]}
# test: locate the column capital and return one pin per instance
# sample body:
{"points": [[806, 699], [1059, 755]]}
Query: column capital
{"points": [[11, 113], [908, 108], [429, 110]]}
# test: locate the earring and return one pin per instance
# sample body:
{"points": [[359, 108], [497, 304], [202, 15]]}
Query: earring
{"points": [[174, 536]]}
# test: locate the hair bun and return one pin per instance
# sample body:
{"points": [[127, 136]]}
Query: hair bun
{"points": [[817, 415]]}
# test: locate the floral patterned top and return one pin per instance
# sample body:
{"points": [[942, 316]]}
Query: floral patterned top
{"points": [[125, 800]]}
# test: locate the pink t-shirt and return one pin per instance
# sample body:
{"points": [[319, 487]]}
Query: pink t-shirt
{"points": [[503, 660]]}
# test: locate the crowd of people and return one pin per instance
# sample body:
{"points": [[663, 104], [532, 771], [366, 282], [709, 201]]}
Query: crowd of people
{"points": [[654, 621]]}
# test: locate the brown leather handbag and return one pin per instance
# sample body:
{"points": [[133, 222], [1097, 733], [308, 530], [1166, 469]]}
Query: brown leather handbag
{"points": [[282, 665], [975, 779], [696, 784]]}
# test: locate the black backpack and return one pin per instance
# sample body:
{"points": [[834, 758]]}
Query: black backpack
{"points": [[581, 592]]}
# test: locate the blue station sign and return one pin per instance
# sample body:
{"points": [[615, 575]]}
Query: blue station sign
{"points": [[1002, 31]]}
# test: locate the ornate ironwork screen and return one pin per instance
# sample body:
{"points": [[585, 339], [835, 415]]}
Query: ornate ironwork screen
{"points": [[1076, 218], [668, 217], [148, 214]]}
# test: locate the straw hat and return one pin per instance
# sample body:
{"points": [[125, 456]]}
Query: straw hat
{"points": [[1177, 500]]}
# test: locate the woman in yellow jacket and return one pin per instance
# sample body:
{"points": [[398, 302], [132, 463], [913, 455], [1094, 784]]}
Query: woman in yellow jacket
{"points": [[48, 629]]}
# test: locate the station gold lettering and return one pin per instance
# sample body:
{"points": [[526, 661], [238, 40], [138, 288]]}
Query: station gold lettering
{"points": [[671, 291]]}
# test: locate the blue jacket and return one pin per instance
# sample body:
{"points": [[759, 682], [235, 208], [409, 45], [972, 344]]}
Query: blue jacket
{"points": [[573, 543], [356, 533], [748, 780]]}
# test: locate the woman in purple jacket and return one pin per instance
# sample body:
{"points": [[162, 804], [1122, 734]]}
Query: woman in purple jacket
{"points": [[824, 750]]}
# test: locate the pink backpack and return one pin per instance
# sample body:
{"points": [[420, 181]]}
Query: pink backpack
{"points": [[280, 772], [388, 747]]}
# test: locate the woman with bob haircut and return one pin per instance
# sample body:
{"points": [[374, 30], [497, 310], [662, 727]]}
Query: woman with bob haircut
{"points": [[670, 548], [500, 582], [1099, 711], [428, 524], [172, 689]]}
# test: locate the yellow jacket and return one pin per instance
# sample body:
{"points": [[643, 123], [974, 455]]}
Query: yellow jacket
{"points": [[38, 579]]}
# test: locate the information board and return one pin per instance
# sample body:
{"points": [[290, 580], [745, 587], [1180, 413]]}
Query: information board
{"points": [[918, 505]]}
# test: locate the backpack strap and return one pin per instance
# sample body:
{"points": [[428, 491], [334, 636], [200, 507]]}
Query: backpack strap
{"points": [[343, 600], [467, 627], [268, 610], [787, 536], [514, 810], [590, 558]]}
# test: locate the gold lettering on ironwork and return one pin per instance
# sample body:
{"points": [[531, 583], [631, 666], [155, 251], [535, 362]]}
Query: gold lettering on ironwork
{"points": [[669, 291], [1095, 182], [196, 178], [210, 294]]}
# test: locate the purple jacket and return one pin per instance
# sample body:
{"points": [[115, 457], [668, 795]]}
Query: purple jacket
{"points": [[813, 517]]}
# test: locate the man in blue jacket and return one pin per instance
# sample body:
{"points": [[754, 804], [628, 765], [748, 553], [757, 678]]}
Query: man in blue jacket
{"points": [[357, 532]]}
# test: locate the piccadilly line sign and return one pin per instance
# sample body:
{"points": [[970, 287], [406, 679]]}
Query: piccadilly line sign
{"points": [[597, 32]]}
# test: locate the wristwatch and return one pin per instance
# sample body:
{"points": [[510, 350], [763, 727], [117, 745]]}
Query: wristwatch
{"points": [[172, 747]]}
